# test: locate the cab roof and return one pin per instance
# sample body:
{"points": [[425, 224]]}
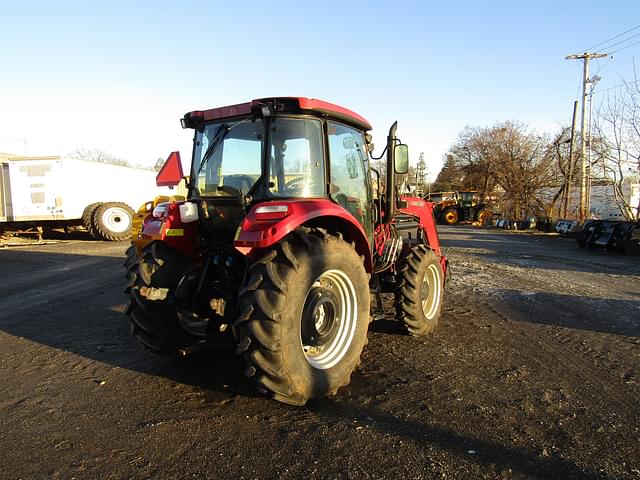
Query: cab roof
{"points": [[279, 105]]}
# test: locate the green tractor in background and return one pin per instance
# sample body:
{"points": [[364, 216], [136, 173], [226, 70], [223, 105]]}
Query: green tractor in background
{"points": [[461, 206]]}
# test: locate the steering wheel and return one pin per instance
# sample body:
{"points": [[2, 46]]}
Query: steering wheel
{"points": [[240, 182], [295, 186]]}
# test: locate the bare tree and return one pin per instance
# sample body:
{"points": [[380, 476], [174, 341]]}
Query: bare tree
{"points": [[520, 162], [450, 176], [567, 169], [97, 155], [617, 126], [159, 163]]}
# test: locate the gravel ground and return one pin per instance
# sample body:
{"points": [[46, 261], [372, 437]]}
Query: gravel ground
{"points": [[533, 372]]}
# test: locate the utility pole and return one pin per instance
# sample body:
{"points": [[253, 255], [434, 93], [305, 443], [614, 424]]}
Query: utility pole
{"points": [[582, 213], [569, 189]]}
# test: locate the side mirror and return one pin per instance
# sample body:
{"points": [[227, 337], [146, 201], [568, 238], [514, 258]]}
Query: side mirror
{"points": [[349, 142], [170, 174], [401, 159]]}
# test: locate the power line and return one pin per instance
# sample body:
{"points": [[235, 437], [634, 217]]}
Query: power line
{"points": [[602, 67], [622, 41], [612, 38], [625, 47], [617, 86]]}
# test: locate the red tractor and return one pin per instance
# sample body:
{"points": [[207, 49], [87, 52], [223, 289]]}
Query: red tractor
{"points": [[279, 244]]}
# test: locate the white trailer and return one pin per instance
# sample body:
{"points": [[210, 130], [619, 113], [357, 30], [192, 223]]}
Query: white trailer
{"points": [[58, 191]]}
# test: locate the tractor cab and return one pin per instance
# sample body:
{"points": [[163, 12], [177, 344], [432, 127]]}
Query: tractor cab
{"points": [[266, 155], [468, 198]]}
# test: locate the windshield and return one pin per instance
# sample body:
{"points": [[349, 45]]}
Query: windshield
{"points": [[227, 157]]}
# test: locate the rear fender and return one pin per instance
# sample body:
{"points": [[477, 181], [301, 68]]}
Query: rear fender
{"points": [[264, 226]]}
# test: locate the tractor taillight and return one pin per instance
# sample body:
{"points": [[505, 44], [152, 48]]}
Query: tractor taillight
{"points": [[271, 212]]}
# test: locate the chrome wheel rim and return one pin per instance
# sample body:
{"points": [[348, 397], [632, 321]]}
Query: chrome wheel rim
{"points": [[329, 319], [431, 291], [116, 219]]}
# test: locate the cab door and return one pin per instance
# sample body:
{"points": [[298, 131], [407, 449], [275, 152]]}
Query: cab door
{"points": [[349, 170]]}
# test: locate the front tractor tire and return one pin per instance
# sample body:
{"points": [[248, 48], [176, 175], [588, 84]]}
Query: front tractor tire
{"points": [[304, 316], [418, 297], [484, 216], [450, 216], [153, 279]]}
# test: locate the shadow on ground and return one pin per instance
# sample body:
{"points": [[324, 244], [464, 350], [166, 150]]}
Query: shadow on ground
{"points": [[491, 455], [75, 303], [537, 251], [603, 315]]}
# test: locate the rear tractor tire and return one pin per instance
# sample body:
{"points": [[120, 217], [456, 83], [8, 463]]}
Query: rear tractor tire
{"points": [[131, 264], [154, 277], [112, 221], [304, 316], [450, 216], [418, 298]]}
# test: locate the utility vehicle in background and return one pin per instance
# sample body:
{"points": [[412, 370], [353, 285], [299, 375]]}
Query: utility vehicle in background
{"points": [[462, 206], [43, 193]]}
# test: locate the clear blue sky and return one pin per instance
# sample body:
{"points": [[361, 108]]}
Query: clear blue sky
{"points": [[118, 75]]}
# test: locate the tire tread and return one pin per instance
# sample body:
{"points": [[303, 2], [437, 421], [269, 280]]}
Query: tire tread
{"points": [[407, 296], [263, 306]]}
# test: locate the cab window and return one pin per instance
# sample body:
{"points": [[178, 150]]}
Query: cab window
{"points": [[349, 171], [296, 165]]}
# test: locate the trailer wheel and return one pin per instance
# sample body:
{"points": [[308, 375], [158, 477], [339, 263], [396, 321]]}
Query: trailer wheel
{"points": [[112, 221], [418, 298], [87, 219], [153, 317], [450, 216], [304, 316]]}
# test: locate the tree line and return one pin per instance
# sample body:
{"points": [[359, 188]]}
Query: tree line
{"points": [[533, 174], [100, 156]]}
